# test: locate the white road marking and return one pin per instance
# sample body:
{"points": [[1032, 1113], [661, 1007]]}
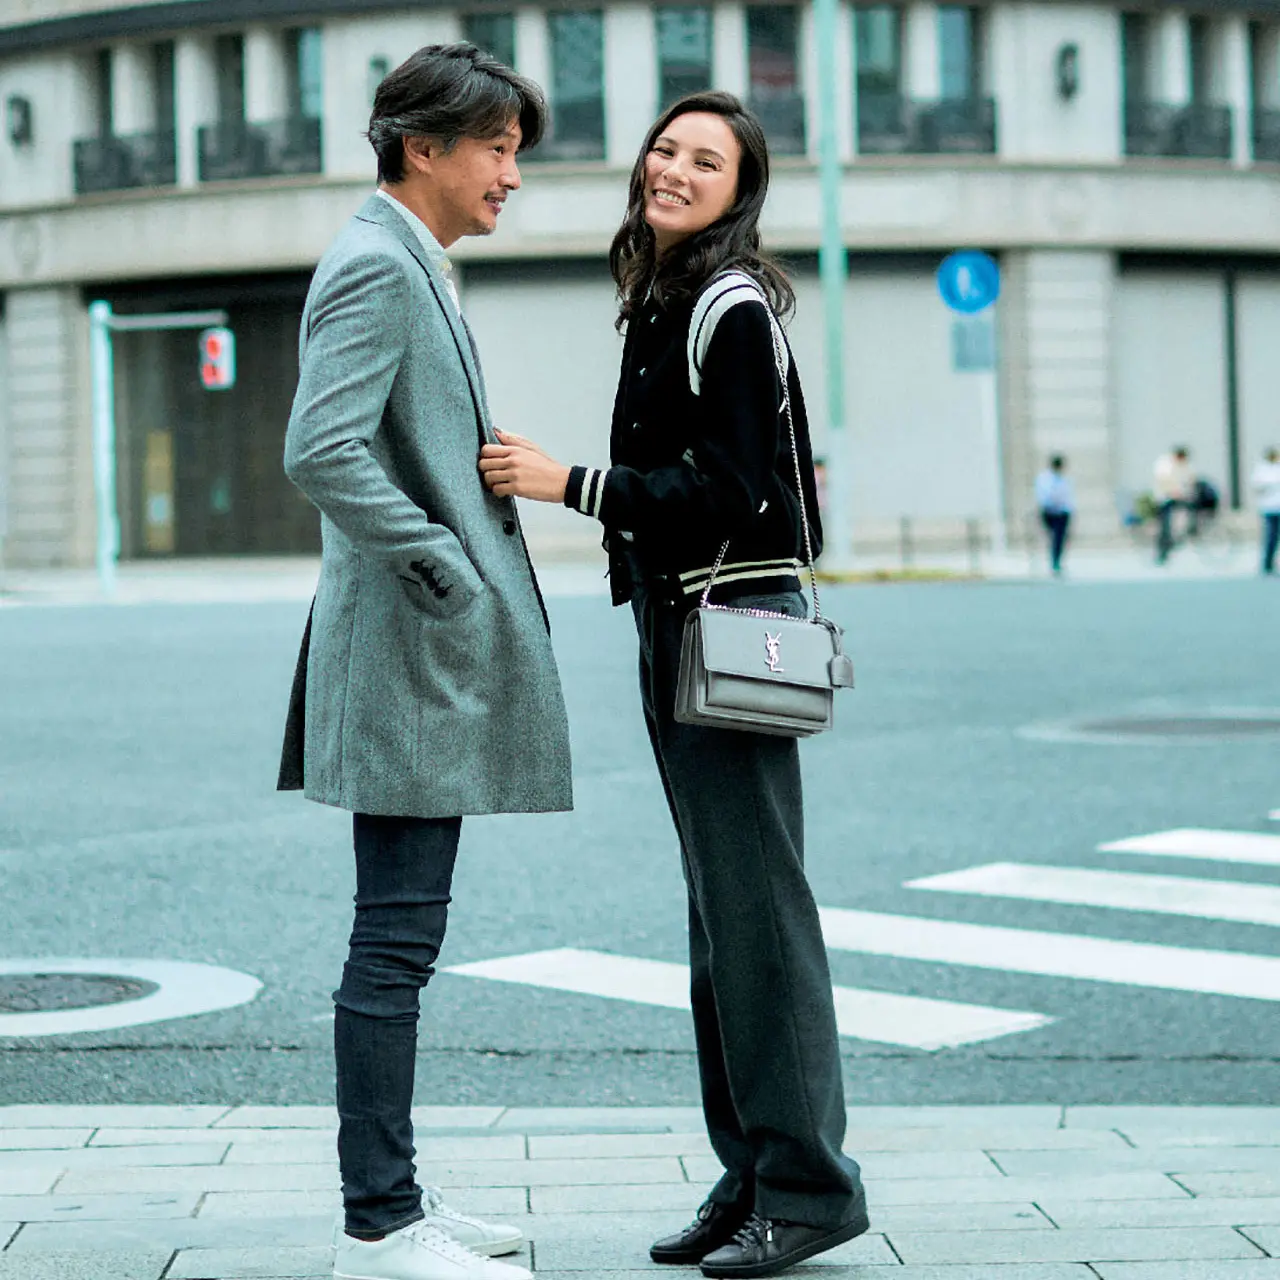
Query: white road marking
{"points": [[185, 990], [880, 1016], [1122, 890], [1208, 846], [1053, 955]]}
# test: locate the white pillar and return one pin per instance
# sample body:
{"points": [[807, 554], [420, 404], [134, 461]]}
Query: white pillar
{"points": [[133, 89], [1170, 72], [1007, 70], [196, 103], [630, 80], [730, 70], [922, 54], [1231, 83], [533, 47], [845, 71], [266, 79]]}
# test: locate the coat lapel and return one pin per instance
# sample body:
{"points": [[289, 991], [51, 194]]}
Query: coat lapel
{"points": [[377, 210]]}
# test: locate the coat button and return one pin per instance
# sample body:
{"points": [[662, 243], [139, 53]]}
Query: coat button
{"points": [[643, 372], [509, 528], [635, 426]]}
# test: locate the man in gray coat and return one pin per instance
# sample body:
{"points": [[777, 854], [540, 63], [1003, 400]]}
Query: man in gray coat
{"points": [[426, 688]]}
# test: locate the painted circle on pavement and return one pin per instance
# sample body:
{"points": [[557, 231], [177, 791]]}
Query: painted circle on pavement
{"points": [[174, 989]]}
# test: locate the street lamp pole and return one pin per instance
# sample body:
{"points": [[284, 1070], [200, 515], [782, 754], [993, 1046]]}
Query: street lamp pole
{"points": [[833, 270]]}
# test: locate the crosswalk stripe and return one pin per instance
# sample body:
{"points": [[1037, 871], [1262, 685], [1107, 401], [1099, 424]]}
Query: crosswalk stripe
{"points": [[912, 1021], [1207, 846], [1053, 955], [1123, 890]]}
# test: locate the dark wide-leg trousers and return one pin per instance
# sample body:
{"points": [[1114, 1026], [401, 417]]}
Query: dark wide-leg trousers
{"points": [[763, 1014], [404, 873]]}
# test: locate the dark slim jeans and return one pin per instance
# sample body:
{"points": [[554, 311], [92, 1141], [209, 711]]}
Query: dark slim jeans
{"points": [[404, 870], [763, 1014], [1270, 540], [1056, 524], [1164, 538]]}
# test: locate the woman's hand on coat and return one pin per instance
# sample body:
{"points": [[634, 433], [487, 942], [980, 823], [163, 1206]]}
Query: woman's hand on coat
{"points": [[518, 468]]}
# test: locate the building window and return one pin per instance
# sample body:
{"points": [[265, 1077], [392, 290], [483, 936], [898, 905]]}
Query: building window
{"points": [[228, 59], [1266, 98], [774, 71], [1200, 57], [879, 50], [960, 49], [103, 103], [162, 62], [495, 33], [577, 87], [1135, 53], [684, 51], [303, 67]]}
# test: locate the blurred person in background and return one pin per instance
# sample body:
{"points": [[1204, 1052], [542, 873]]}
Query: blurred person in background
{"points": [[1175, 489], [1056, 500], [1266, 484]]}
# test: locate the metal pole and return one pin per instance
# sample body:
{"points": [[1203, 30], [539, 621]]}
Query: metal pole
{"points": [[833, 270], [104, 444], [990, 394]]}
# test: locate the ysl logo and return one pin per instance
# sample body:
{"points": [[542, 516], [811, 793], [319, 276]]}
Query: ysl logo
{"points": [[773, 650]]}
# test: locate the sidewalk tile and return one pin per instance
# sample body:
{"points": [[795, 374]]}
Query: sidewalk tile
{"points": [[27, 1182], [1175, 1160], [1106, 1186], [83, 1266], [114, 1157], [546, 1173], [244, 1177], [603, 1120], [40, 1116], [1245, 1184], [111, 1137], [107, 1208], [1266, 1237], [1245, 1269], [291, 1147], [959, 1217], [1171, 1139], [456, 1117], [959, 1117], [617, 1145], [1206, 1212], [1188, 1119], [233, 1264], [884, 1166], [174, 1233], [278, 1118], [7, 1230], [498, 1202], [35, 1139], [1175, 1244], [876, 1271], [859, 1142], [680, 1200]]}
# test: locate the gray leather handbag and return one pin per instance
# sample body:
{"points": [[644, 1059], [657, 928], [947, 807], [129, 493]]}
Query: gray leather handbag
{"points": [[756, 670]]}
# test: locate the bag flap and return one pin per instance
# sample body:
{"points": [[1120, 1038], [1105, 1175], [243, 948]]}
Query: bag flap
{"points": [[785, 650]]}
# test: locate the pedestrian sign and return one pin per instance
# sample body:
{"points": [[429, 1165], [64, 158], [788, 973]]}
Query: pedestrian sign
{"points": [[969, 281]]}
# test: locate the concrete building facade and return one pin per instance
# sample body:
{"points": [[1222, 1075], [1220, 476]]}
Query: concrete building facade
{"points": [[1122, 164]]}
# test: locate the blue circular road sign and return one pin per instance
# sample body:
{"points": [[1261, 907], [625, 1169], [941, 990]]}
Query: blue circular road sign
{"points": [[969, 281]]}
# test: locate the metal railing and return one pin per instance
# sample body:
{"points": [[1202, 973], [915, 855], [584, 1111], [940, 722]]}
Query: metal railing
{"points": [[115, 163], [1266, 134], [892, 124], [258, 149], [576, 133], [781, 112], [1187, 131]]}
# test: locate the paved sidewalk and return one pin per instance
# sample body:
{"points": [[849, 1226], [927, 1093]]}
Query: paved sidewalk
{"points": [[957, 1193]]}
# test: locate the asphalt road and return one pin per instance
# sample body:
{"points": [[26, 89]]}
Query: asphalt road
{"points": [[137, 819]]}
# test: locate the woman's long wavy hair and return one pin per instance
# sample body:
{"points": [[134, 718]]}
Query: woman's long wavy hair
{"points": [[732, 241]]}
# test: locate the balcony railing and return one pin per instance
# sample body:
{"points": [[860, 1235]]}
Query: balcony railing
{"points": [[259, 149], [890, 124], [576, 134], [781, 113], [112, 163], [1192, 131], [1266, 134]]}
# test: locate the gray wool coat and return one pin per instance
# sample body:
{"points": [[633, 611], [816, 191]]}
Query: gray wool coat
{"points": [[426, 685]]}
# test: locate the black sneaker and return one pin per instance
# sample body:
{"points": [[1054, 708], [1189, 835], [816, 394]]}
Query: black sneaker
{"points": [[765, 1247], [715, 1225]]}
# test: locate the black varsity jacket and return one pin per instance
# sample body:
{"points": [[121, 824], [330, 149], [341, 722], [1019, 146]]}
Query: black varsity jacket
{"points": [[692, 470]]}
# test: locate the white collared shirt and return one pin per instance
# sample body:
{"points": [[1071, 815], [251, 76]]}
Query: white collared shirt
{"points": [[430, 246]]}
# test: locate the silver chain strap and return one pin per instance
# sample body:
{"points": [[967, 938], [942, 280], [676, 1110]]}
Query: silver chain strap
{"points": [[781, 360]]}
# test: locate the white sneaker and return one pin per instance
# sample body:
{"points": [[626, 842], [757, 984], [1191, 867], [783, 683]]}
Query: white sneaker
{"points": [[492, 1239], [419, 1251]]}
